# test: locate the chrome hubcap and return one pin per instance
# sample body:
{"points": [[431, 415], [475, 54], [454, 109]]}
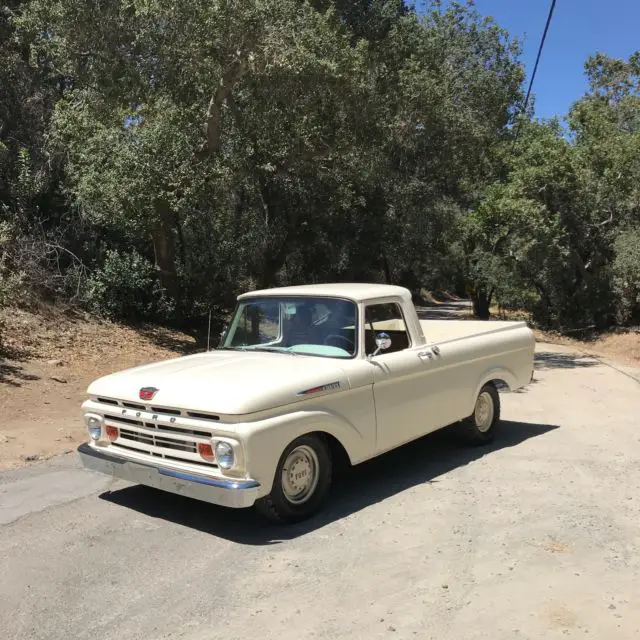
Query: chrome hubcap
{"points": [[300, 474], [483, 413]]}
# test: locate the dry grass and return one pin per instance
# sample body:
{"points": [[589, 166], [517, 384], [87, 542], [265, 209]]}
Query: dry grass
{"points": [[622, 345]]}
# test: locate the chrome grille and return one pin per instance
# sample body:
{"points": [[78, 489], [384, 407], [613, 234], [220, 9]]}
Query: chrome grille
{"points": [[157, 432], [155, 454], [133, 405], [157, 441], [161, 428]]}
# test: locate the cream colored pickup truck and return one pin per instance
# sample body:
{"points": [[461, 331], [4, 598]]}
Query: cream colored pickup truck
{"points": [[304, 377]]}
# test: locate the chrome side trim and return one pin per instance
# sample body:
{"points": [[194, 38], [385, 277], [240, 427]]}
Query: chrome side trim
{"points": [[330, 386]]}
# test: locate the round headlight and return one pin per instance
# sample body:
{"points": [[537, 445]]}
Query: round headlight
{"points": [[94, 426], [224, 455]]}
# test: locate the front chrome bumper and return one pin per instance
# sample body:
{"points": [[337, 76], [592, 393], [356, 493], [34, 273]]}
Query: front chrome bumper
{"points": [[226, 492]]}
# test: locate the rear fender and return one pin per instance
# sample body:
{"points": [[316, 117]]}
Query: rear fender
{"points": [[498, 374]]}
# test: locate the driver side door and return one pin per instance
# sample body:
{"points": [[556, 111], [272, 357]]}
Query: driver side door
{"points": [[401, 379]]}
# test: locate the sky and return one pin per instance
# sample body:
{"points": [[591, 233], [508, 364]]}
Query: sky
{"points": [[578, 29]]}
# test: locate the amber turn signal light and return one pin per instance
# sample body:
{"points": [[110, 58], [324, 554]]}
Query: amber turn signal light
{"points": [[205, 451], [112, 433]]}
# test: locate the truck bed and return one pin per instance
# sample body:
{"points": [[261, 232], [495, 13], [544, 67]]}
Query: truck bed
{"points": [[446, 330]]}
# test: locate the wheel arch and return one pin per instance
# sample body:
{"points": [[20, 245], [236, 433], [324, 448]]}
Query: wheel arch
{"points": [[265, 446], [339, 455], [499, 377]]}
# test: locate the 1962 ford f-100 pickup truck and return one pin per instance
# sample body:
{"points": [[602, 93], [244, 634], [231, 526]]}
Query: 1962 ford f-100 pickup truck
{"points": [[303, 376]]}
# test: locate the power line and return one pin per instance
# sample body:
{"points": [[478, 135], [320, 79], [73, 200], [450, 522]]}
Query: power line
{"points": [[535, 68]]}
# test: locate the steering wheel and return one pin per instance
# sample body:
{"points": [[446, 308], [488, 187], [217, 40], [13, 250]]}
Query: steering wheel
{"points": [[350, 343]]}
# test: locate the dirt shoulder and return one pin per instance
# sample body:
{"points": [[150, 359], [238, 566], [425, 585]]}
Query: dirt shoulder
{"points": [[48, 360], [620, 347]]}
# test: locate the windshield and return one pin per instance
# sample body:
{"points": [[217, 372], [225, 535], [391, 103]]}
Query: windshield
{"points": [[311, 326]]}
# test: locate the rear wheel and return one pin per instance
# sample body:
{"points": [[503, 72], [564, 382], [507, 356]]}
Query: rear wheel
{"points": [[301, 483], [479, 427]]}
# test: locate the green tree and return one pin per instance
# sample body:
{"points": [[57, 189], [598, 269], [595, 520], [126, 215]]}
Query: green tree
{"points": [[555, 225]]}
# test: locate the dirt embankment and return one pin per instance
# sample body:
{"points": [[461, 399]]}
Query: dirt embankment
{"points": [[47, 360]]}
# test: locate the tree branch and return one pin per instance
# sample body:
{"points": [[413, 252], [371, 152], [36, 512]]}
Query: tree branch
{"points": [[214, 112], [604, 222]]}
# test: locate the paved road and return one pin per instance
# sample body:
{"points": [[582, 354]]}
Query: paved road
{"points": [[445, 310], [535, 537]]}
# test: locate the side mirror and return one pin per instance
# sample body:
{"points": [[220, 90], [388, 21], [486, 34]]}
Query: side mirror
{"points": [[383, 342]]}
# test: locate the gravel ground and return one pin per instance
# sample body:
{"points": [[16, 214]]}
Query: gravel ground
{"points": [[536, 536]]}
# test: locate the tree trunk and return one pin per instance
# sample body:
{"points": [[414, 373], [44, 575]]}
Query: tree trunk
{"points": [[272, 263], [386, 268], [182, 245], [482, 302], [544, 296], [164, 248], [280, 215], [268, 276]]}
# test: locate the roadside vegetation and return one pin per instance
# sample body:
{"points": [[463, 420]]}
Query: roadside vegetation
{"points": [[157, 158]]}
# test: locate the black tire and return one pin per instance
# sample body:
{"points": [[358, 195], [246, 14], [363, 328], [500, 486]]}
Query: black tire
{"points": [[478, 432], [277, 506]]}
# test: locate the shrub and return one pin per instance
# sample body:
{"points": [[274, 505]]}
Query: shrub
{"points": [[126, 287], [9, 280]]}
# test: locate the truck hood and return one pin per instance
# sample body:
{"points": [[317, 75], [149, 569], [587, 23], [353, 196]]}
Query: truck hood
{"points": [[226, 382]]}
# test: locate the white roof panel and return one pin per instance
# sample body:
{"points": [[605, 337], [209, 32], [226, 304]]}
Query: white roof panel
{"points": [[350, 290]]}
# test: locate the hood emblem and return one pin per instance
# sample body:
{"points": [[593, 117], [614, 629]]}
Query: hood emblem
{"points": [[332, 386], [147, 393]]}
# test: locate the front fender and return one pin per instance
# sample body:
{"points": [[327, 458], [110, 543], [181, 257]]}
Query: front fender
{"points": [[265, 440]]}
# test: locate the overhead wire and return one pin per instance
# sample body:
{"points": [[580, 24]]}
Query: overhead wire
{"points": [[535, 67]]}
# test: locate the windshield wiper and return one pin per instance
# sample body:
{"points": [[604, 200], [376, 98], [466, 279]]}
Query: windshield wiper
{"points": [[261, 349], [272, 350]]}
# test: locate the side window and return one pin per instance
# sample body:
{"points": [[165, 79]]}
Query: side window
{"points": [[385, 317]]}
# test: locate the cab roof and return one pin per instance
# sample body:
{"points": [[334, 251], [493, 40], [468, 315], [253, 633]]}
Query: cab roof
{"points": [[357, 292]]}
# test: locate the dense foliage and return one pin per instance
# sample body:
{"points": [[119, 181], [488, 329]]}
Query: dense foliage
{"points": [[156, 158]]}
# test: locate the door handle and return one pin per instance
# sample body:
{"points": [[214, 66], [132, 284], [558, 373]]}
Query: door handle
{"points": [[429, 353]]}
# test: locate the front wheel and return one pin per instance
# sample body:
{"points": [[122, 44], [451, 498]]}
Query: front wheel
{"points": [[301, 483], [479, 427]]}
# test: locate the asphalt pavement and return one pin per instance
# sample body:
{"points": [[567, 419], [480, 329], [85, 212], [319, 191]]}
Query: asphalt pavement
{"points": [[536, 536]]}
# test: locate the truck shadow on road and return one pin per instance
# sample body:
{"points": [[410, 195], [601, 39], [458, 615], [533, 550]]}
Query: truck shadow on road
{"points": [[420, 462], [554, 360]]}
